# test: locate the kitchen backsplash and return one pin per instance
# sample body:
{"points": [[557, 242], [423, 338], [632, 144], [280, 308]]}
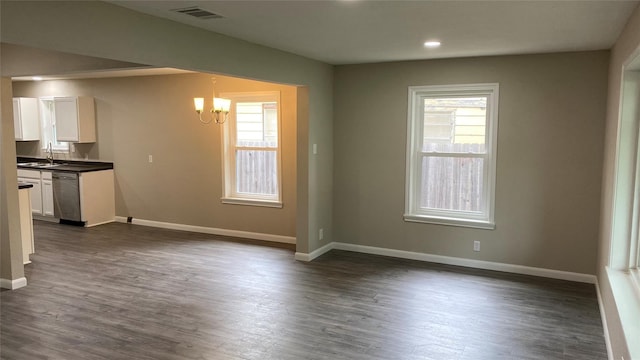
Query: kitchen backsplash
{"points": [[77, 151]]}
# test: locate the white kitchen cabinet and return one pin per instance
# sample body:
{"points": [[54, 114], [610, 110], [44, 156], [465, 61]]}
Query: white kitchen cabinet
{"points": [[47, 194], [26, 119], [75, 119], [41, 193], [33, 177]]}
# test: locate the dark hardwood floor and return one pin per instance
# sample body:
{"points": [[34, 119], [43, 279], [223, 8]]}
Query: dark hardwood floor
{"points": [[120, 291]]}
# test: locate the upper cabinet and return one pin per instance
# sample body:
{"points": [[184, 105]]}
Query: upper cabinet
{"points": [[75, 119], [25, 119]]}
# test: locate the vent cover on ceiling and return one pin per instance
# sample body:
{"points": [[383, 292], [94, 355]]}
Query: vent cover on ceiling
{"points": [[198, 13]]}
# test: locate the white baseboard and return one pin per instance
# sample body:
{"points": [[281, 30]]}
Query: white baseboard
{"points": [[476, 264], [45, 218], [13, 284], [103, 222], [605, 326], [314, 254], [210, 230]]}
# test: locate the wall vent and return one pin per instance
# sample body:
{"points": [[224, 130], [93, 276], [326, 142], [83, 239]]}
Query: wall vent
{"points": [[198, 13]]}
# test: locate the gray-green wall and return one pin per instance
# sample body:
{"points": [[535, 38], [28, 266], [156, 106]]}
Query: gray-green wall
{"points": [[549, 161]]}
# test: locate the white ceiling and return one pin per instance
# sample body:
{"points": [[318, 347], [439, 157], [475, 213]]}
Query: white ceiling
{"points": [[362, 31]]}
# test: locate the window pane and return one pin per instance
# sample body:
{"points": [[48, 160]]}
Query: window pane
{"points": [[271, 122], [249, 108], [256, 172], [450, 183], [48, 127], [257, 123], [454, 124]]}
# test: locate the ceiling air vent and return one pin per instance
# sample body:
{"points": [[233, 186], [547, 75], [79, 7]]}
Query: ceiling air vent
{"points": [[198, 13]]}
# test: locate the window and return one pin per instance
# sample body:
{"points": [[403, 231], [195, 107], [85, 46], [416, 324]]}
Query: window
{"points": [[251, 140], [451, 149], [48, 126], [625, 251], [623, 266]]}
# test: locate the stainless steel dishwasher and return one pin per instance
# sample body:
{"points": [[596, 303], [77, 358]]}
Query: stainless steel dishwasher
{"points": [[66, 196]]}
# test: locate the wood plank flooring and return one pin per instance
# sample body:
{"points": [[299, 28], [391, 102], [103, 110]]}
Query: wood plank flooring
{"points": [[121, 291]]}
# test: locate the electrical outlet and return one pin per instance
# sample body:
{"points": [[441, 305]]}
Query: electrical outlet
{"points": [[476, 245], [321, 234], [150, 158], [315, 149]]}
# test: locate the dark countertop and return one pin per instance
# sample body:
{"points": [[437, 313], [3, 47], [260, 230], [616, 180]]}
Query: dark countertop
{"points": [[75, 166], [22, 185]]}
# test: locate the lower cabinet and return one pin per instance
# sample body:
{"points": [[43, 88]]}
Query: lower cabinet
{"points": [[33, 177], [96, 190], [47, 194], [42, 191]]}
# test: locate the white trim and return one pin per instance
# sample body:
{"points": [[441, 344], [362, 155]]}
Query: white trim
{"points": [[605, 326], [450, 221], [251, 202], [314, 254], [229, 147], [620, 229], [210, 230], [623, 217], [415, 124], [471, 263], [102, 223], [476, 264], [13, 284], [627, 299]]}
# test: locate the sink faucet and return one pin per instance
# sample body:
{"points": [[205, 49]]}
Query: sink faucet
{"points": [[50, 153]]}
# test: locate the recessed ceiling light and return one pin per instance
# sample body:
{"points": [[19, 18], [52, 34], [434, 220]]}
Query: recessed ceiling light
{"points": [[37, 78], [432, 44]]}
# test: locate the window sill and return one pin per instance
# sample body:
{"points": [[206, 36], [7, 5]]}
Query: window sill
{"points": [[449, 221], [252, 202], [626, 294]]}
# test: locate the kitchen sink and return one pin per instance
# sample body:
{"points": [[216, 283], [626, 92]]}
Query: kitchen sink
{"points": [[39, 165], [29, 164]]}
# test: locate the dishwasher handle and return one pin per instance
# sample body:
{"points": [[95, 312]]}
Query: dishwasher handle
{"points": [[64, 176]]}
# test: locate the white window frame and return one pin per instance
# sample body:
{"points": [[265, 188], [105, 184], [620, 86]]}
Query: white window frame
{"points": [[624, 254], [415, 123], [230, 195], [48, 127]]}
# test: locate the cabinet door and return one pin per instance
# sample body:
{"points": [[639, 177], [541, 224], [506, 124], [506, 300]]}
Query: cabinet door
{"points": [[36, 194], [17, 123], [47, 198], [66, 117], [26, 119]]}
